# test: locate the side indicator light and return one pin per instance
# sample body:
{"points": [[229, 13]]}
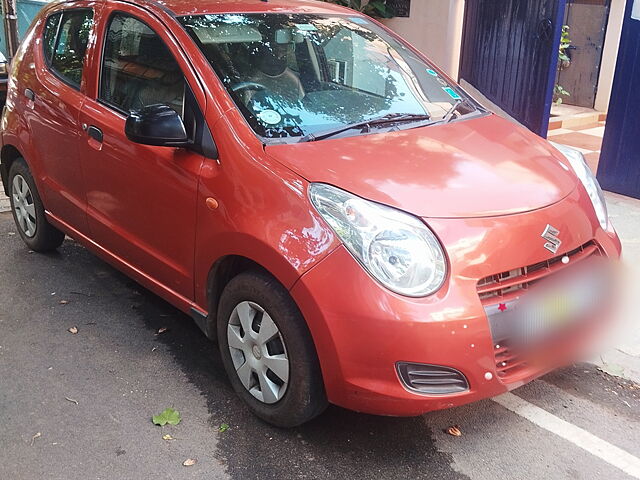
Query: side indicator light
{"points": [[212, 203]]}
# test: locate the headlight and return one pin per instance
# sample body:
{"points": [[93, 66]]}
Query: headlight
{"points": [[396, 248], [588, 179]]}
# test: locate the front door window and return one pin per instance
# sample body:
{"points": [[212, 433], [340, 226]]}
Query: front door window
{"points": [[138, 69]]}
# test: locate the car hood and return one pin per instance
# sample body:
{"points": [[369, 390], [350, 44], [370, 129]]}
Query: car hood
{"points": [[485, 166]]}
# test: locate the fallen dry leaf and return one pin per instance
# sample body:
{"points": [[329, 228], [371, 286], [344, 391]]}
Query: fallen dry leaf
{"points": [[73, 330], [162, 330], [33, 439], [167, 437], [189, 462], [454, 431], [63, 302]]}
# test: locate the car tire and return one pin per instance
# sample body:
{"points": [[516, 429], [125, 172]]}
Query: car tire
{"points": [[28, 210], [277, 318]]}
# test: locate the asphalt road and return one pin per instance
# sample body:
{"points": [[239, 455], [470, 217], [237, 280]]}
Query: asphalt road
{"points": [[121, 372]]}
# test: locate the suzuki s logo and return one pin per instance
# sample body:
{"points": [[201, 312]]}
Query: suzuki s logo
{"points": [[553, 243]]}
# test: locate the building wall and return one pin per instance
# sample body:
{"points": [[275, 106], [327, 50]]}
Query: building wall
{"points": [[27, 11], [435, 28]]}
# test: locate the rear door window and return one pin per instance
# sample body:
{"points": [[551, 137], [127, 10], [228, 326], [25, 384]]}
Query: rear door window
{"points": [[71, 43], [50, 32], [138, 68]]}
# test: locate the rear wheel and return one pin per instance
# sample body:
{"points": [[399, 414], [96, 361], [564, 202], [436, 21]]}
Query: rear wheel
{"points": [[268, 352], [28, 211]]}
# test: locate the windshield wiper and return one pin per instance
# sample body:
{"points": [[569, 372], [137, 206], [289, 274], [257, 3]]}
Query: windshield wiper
{"points": [[390, 118], [449, 115]]}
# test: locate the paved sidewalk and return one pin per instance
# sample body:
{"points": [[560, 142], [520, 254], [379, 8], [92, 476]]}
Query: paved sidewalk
{"points": [[624, 360], [4, 202]]}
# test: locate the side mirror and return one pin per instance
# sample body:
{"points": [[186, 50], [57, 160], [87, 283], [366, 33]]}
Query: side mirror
{"points": [[157, 125]]}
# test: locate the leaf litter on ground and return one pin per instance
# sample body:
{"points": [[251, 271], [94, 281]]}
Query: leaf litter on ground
{"points": [[454, 431], [168, 416]]}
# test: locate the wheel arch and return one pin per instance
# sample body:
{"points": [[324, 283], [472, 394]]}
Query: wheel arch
{"points": [[220, 274], [8, 155], [224, 270]]}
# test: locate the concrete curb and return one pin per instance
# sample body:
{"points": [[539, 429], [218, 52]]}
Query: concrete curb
{"points": [[4, 203]]}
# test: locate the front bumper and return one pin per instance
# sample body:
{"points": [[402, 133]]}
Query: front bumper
{"points": [[362, 330]]}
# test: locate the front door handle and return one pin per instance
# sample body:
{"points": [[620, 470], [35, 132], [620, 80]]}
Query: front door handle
{"points": [[95, 133]]}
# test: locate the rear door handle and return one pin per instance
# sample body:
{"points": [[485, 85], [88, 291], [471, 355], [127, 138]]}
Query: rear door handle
{"points": [[95, 133], [29, 94]]}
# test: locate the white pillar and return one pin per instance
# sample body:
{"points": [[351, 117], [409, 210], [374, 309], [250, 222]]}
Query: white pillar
{"points": [[610, 54]]}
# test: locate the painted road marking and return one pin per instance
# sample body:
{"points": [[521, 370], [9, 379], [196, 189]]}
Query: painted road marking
{"points": [[596, 446]]}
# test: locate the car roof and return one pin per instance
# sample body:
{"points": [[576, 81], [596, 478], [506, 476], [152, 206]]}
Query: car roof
{"points": [[199, 7]]}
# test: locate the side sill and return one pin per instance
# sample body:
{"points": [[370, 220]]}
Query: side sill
{"points": [[203, 322], [171, 296]]}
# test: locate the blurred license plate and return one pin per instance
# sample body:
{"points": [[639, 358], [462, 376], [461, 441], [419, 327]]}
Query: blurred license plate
{"points": [[554, 308], [552, 305]]}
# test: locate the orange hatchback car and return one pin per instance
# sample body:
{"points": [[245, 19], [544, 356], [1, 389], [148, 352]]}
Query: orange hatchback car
{"points": [[346, 222]]}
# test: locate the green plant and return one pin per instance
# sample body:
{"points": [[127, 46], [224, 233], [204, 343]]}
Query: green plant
{"points": [[373, 8], [563, 62], [169, 415]]}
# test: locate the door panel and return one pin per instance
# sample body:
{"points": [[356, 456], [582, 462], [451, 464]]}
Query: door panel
{"points": [[619, 168], [55, 135], [54, 116], [141, 199], [587, 20], [510, 53]]}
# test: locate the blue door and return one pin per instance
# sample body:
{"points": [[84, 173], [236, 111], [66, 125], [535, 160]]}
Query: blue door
{"points": [[510, 54], [619, 169]]}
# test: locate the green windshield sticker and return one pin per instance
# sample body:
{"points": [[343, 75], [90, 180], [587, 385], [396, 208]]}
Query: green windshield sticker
{"points": [[432, 72], [452, 93], [306, 27]]}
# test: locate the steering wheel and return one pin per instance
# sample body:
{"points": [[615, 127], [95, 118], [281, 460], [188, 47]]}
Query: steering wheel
{"points": [[239, 87]]}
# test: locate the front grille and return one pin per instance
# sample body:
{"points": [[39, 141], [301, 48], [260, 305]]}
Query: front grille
{"points": [[504, 288], [432, 379], [507, 286], [508, 361]]}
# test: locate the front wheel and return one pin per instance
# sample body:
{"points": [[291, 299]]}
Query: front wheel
{"points": [[28, 210], [268, 352]]}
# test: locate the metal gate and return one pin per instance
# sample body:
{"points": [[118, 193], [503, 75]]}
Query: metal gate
{"points": [[510, 54], [619, 169]]}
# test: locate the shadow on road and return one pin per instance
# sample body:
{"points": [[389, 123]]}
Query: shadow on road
{"points": [[338, 444]]}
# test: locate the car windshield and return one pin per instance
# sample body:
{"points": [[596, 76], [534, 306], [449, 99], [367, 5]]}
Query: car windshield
{"points": [[294, 76]]}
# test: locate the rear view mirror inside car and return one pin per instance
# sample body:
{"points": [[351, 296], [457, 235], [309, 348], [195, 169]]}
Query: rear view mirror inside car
{"points": [[285, 36]]}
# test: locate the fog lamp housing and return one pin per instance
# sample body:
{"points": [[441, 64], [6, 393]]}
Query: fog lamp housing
{"points": [[431, 379]]}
